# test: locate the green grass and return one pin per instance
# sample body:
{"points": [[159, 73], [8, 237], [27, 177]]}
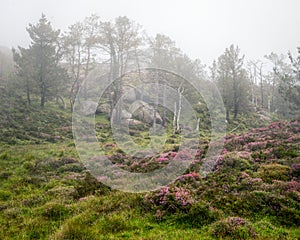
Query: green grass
{"points": [[38, 201], [46, 193]]}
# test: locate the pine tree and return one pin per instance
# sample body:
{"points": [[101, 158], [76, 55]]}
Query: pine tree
{"points": [[232, 81], [39, 64]]}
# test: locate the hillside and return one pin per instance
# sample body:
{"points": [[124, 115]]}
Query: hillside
{"points": [[46, 193]]}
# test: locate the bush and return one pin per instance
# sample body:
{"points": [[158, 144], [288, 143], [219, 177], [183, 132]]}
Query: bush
{"points": [[73, 167], [233, 227], [170, 199], [281, 152], [236, 163], [271, 172], [296, 170], [200, 213], [89, 185], [54, 211]]}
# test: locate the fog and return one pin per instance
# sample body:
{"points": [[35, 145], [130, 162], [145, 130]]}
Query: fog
{"points": [[202, 29]]}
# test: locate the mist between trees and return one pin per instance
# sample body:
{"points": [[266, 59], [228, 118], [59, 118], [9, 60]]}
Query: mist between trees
{"points": [[54, 66]]}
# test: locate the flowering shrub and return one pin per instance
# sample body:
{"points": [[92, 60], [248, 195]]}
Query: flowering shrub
{"points": [[296, 170], [117, 158], [169, 154], [244, 155], [184, 155], [166, 157], [269, 172], [199, 214], [285, 187], [170, 199], [250, 184], [189, 178], [162, 159], [233, 227], [253, 146], [233, 161]]}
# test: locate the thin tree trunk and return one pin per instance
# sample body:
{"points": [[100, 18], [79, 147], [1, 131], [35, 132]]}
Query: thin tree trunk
{"points": [[227, 116], [180, 91], [261, 87], [28, 93], [175, 117], [156, 101], [164, 104]]}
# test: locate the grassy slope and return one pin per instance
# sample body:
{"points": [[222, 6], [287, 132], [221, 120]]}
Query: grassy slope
{"points": [[45, 192]]}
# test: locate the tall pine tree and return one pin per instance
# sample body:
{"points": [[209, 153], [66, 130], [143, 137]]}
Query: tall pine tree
{"points": [[39, 65], [232, 81]]}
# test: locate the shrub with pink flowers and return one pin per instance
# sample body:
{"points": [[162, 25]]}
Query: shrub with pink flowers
{"points": [[189, 178], [253, 146], [170, 199], [233, 227], [162, 160]]}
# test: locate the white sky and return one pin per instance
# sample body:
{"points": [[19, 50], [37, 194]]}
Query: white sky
{"points": [[201, 28]]}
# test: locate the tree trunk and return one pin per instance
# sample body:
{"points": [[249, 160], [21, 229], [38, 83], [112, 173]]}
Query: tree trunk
{"points": [[28, 93], [156, 101], [42, 100], [227, 116], [164, 108], [62, 101], [180, 91], [261, 87], [175, 117], [235, 98], [43, 87]]}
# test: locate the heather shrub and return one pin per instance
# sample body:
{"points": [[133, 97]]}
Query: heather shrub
{"points": [[270, 172], [285, 210], [170, 199], [296, 170], [250, 202], [281, 152], [237, 163], [200, 213], [89, 185], [233, 228], [289, 216], [192, 179], [72, 167]]}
